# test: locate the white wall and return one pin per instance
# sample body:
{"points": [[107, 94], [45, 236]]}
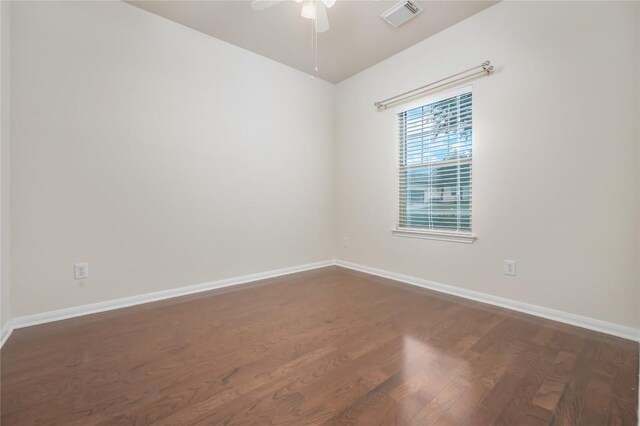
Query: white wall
{"points": [[5, 156], [161, 156], [556, 149]]}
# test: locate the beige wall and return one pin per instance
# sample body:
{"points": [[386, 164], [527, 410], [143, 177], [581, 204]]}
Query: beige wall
{"points": [[164, 158], [161, 156], [556, 148], [5, 156]]}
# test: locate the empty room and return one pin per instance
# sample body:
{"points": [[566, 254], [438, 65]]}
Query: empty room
{"points": [[319, 212]]}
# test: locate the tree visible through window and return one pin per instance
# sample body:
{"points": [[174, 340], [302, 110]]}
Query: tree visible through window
{"points": [[435, 165]]}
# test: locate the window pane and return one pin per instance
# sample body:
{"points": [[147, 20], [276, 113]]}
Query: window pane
{"points": [[435, 161]]}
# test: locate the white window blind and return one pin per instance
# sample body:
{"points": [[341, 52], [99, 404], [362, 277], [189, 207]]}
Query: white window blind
{"points": [[435, 165]]}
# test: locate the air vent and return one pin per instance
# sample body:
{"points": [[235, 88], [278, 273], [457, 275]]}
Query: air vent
{"points": [[401, 12]]}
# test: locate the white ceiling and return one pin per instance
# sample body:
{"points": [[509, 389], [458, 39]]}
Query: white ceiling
{"points": [[357, 39]]}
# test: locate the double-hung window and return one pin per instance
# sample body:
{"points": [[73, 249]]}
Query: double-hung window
{"points": [[435, 163]]}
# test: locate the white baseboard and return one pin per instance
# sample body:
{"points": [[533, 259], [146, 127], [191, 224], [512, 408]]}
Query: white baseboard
{"points": [[94, 308], [539, 311], [5, 332]]}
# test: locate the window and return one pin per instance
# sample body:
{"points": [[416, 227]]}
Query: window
{"points": [[435, 155]]}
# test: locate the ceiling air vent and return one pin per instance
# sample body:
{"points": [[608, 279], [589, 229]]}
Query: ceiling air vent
{"points": [[401, 12]]}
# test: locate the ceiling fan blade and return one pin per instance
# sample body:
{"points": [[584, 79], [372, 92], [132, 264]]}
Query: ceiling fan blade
{"points": [[263, 4], [322, 20]]}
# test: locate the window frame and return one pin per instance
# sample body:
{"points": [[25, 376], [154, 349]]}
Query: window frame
{"points": [[426, 233]]}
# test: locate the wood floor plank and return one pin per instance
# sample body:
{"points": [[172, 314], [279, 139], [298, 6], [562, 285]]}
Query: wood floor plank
{"points": [[329, 346]]}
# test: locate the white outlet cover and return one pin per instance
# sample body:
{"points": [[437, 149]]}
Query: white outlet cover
{"points": [[510, 267], [81, 271]]}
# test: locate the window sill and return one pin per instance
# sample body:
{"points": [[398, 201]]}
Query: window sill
{"points": [[458, 237]]}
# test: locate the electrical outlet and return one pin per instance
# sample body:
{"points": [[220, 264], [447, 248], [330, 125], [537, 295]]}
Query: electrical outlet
{"points": [[510, 267], [81, 271], [345, 242]]}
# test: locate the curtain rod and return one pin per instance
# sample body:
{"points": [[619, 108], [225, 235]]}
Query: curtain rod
{"points": [[483, 68]]}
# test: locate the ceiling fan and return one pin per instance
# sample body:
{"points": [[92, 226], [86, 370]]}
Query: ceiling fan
{"points": [[311, 9]]}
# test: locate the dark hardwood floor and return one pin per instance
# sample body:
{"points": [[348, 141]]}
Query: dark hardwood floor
{"points": [[329, 346]]}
